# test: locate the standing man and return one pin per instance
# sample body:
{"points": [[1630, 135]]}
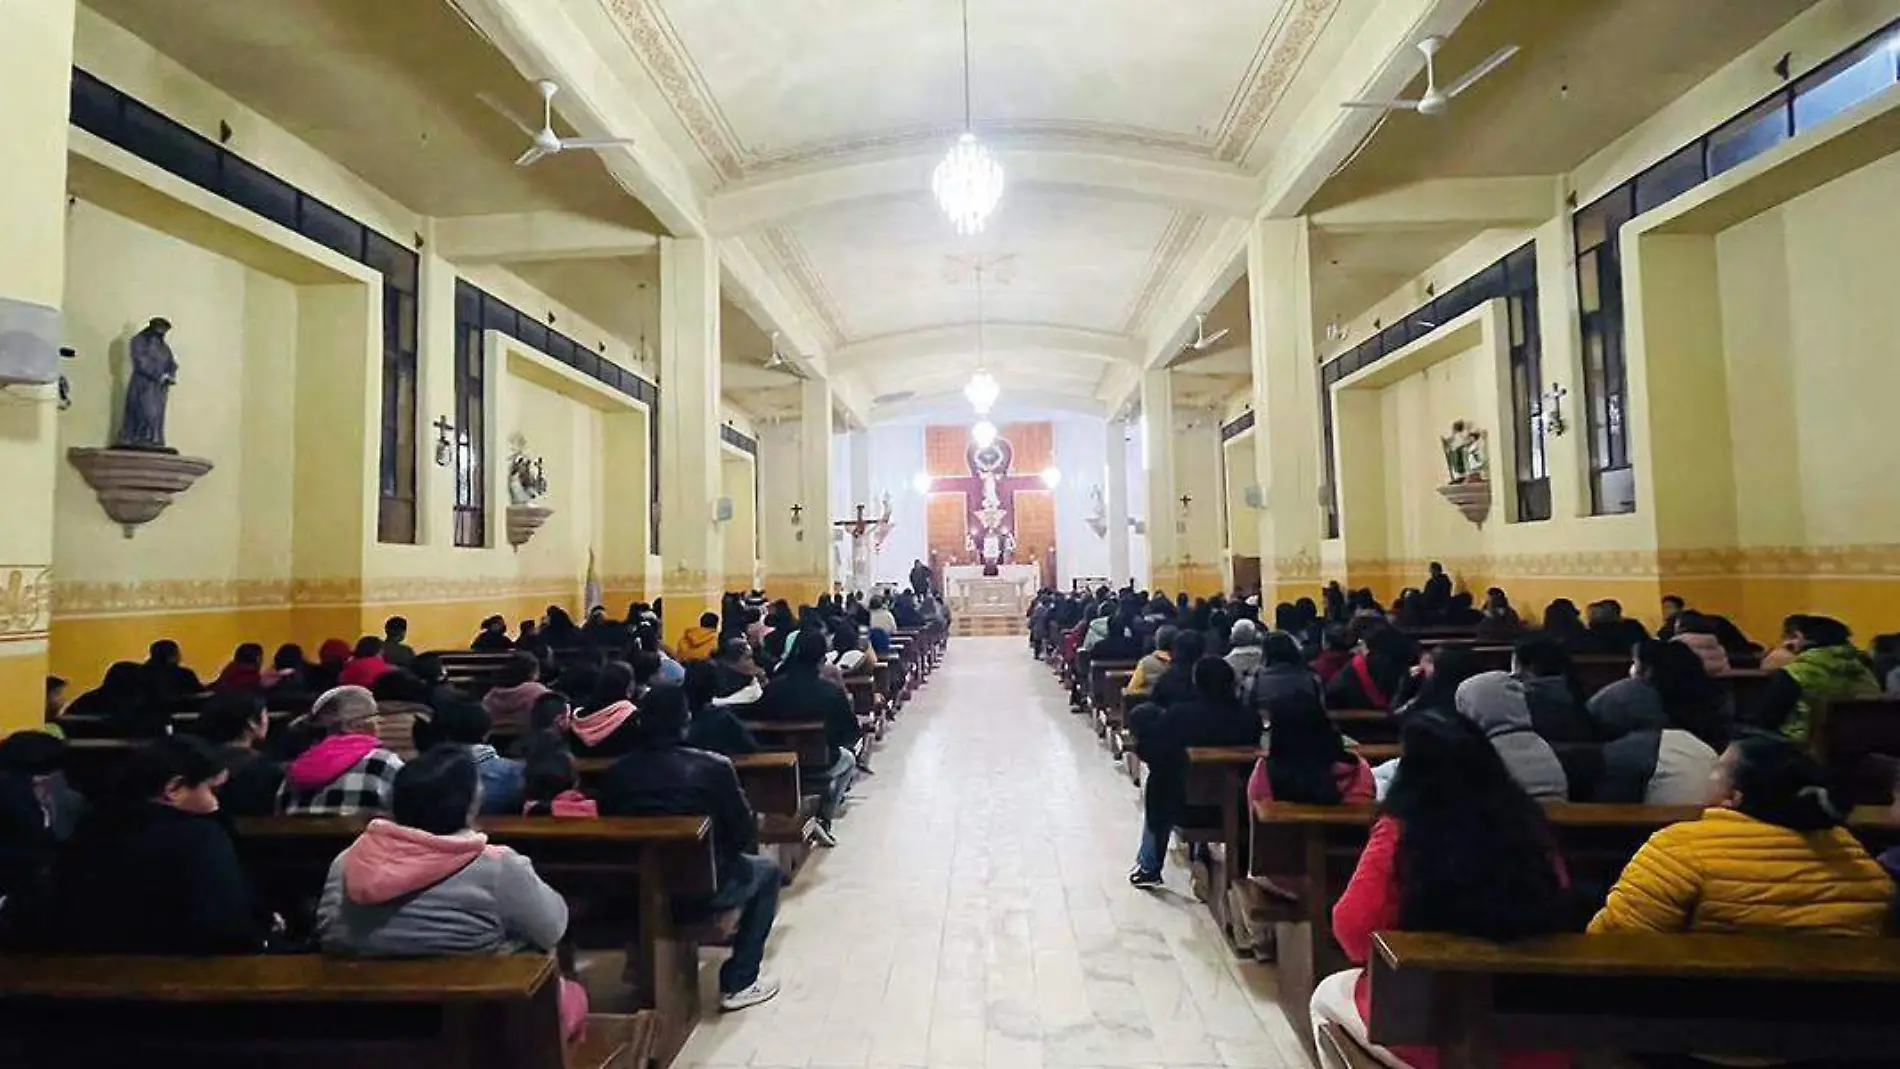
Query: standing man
{"points": [[920, 577]]}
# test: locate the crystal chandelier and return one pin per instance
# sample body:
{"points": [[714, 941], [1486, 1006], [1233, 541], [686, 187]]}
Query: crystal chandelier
{"points": [[983, 434], [968, 183], [982, 392]]}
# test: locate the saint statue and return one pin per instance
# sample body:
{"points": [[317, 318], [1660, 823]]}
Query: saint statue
{"points": [[154, 370], [1464, 453]]}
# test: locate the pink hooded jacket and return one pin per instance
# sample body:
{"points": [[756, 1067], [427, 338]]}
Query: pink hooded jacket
{"points": [[325, 763], [595, 727]]}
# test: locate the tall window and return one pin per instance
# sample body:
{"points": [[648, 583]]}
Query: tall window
{"points": [[1605, 373], [1531, 467], [471, 453], [396, 485]]}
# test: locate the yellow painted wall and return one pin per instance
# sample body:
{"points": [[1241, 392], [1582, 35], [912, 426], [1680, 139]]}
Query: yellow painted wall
{"points": [[739, 481], [1243, 521]]}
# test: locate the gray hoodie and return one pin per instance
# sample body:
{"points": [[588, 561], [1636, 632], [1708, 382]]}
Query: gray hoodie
{"points": [[1495, 702], [400, 892]]}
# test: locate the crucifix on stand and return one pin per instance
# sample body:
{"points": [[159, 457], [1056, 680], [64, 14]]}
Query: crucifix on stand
{"points": [[860, 547]]}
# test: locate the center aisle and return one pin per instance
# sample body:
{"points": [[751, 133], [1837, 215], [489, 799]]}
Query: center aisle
{"points": [[977, 910]]}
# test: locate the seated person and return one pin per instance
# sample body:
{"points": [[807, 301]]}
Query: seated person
{"points": [[1282, 672], [1212, 716], [166, 676], [1152, 666], [237, 725], [1432, 684], [799, 692], [1770, 854], [1307, 760], [1458, 848], [466, 724], [55, 701], [347, 770], [1557, 710], [519, 687], [713, 726], [1498, 621], [423, 883], [660, 776], [1697, 632], [1494, 702], [737, 677], [1668, 764], [599, 726], [151, 870], [396, 649], [493, 637], [332, 656], [1334, 655], [288, 679], [245, 673], [1826, 667], [1176, 684], [699, 643], [125, 700], [38, 813], [551, 783], [1562, 623], [1607, 632], [366, 664], [1372, 678]]}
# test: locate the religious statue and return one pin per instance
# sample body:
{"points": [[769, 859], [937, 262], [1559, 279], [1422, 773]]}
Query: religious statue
{"points": [[1464, 453], [883, 529], [1097, 518], [527, 481], [154, 370]]}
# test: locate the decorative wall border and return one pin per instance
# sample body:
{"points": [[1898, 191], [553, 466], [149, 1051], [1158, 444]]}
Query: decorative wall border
{"points": [[26, 601], [70, 600], [1872, 561]]}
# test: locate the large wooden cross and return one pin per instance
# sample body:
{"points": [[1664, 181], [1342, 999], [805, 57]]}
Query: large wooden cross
{"points": [[858, 526], [971, 487]]}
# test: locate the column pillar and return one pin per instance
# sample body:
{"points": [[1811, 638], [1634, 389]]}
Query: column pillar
{"points": [[1116, 495], [691, 559], [36, 51], [1288, 462], [1157, 462], [795, 470]]}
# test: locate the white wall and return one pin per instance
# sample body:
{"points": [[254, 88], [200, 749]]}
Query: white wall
{"points": [[1138, 506], [897, 455], [1082, 456]]}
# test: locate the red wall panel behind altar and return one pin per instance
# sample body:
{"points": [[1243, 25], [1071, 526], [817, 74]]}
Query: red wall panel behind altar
{"points": [[946, 456]]}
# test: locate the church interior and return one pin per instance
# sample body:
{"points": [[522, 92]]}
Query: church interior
{"points": [[994, 330]]}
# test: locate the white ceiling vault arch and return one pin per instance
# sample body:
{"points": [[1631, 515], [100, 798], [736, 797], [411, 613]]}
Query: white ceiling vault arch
{"points": [[1137, 140]]}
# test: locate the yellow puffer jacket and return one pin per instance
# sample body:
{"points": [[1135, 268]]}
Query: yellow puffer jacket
{"points": [[1732, 873]]}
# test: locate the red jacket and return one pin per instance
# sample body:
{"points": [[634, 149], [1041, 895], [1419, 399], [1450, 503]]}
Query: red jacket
{"points": [[1371, 904], [363, 671], [1329, 662]]}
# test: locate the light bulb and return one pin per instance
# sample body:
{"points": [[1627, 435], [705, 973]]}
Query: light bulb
{"points": [[984, 434], [920, 483], [1051, 477]]}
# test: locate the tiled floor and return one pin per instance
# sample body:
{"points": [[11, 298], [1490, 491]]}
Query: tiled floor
{"points": [[977, 912]]}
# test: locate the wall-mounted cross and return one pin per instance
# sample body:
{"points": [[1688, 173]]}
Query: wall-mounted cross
{"points": [[1185, 502], [797, 512]]}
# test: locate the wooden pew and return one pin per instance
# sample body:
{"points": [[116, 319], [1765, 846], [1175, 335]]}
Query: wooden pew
{"points": [[637, 869], [1797, 997], [304, 1011], [771, 784], [1318, 847], [806, 738], [473, 671]]}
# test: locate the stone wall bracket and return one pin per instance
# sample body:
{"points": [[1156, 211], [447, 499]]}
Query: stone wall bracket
{"points": [[1472, 498], [135, 485], [524, 521]]}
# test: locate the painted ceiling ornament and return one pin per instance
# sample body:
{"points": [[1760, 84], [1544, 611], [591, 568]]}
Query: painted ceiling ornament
{"points": [[527, 477]]}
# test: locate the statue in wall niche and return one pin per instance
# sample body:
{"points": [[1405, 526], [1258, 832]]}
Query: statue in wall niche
{"points": [[154, 371], [1465, 456], [527, 480]]}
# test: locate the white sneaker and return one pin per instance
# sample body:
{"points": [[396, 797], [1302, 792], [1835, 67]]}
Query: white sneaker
{"points": [[823, 837], [764, 989]]}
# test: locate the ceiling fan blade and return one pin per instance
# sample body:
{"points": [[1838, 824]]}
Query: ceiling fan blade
{"points": [[1491, 63], [1382, 105], [534, 155], [595, 142], [1213, 339], [504, 111]]}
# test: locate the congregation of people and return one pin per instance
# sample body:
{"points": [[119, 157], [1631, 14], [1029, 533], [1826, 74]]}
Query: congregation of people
{"points": [[147, 864], [1459, 840]]}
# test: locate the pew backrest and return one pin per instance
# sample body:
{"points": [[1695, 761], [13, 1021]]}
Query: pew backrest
{"points": [[304, 1012]]}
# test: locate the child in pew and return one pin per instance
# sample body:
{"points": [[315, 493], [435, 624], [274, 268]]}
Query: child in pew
{"points": [[551, 783], [151, 870], [1458, 847], [423, 882], [1770, 854]]}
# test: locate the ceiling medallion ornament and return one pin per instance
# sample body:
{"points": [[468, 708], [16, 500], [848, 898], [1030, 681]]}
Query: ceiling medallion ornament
{"points": [[968, 183]]}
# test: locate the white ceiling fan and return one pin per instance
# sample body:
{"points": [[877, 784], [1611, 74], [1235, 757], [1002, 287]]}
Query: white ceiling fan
{"points": [[1202, 340], [783, 364], [1434, 99], [546, 141]]}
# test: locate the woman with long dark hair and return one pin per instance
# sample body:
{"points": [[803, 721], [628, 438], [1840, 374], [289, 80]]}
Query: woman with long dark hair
{"points": [[1458, 848], [1372, 678], [1769, 854], [1307, 760]]}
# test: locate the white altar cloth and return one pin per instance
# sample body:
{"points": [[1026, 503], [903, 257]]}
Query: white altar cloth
{"points": [[1007, 593]]}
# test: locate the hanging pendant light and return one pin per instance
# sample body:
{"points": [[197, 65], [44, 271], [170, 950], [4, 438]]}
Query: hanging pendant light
{"points": [[983, 434], [982, 390], [968, 183]]}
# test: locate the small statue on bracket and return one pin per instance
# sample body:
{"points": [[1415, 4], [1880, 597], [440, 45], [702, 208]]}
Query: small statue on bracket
{"points": [[1465, 454], [147, 391], [527, 479]]}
